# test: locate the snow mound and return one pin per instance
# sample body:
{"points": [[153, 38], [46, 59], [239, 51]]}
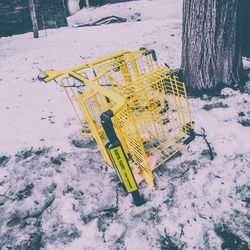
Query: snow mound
{"points": [[229, 92], [132, 11]]}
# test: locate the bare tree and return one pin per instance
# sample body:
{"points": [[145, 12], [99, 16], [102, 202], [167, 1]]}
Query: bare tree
{"points": [[211, 44], [87, 3], [33, 18]]}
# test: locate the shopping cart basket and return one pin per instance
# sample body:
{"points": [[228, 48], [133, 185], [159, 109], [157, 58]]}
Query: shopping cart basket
{"points": [[136, 111]]}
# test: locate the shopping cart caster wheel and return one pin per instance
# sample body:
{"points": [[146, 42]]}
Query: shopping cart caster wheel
{"points": [[41, 77], [138, 199]]}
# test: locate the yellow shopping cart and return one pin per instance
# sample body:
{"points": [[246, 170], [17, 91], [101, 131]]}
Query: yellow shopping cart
{"points": [[135, 110]]}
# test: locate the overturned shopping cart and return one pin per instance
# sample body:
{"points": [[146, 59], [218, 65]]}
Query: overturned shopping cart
{"points": [[136, 111]]}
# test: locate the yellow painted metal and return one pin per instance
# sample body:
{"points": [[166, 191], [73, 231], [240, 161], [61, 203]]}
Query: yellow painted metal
{"points": [[119, 160], [150, 106], [54, 74]]}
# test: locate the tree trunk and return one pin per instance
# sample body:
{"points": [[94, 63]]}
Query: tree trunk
{"points": [[33, 18], [73, 6], [211, 45], [245, 28], [87, 3]]}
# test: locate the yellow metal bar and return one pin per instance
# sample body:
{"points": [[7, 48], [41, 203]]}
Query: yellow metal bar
{"points": [[77, 115], [94, 131], [54, 74], [170, 155], [125, 73], [188, 108], [110, 57], [135, 67], [176, 104], [181, 108], [119, 100], [149, 179]]}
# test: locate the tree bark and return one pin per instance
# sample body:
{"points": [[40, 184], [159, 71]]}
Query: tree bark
{"points": [[33, 18], [211, 45], [245, 28]]}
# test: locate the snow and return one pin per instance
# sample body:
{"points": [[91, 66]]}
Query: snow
{"points": [[132, 11], [73, 6], [44, 159]]}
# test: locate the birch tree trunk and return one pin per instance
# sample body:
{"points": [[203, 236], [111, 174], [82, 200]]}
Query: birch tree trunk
{"points": [[211, 45], [87, 3], [73, 6]]}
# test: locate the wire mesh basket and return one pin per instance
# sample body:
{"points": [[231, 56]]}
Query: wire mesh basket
{"points": [[136, 111]]}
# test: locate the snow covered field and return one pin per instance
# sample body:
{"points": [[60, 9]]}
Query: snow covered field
{"points": [[55, 191]]}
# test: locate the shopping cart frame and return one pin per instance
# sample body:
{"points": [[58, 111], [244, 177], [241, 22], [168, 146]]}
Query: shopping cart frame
{"points": [[114, 149]]}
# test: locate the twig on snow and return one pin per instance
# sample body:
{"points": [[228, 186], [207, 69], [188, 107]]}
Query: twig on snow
{"points": [[4, 194], [208, 144], [39, 212], [7, 197], [181, 175]]}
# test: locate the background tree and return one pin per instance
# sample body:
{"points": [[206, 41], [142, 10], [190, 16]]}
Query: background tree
{"points": [[211, 44], [33, 18]]}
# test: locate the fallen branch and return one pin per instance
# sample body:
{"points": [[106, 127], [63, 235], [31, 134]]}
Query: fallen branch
{"points": [[181, 175], [7, 197], [4, 194], [208, 144], [39, 212]]}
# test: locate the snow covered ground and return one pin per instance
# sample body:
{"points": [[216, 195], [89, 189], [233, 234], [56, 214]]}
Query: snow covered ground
{"points": [[44, 163]]}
